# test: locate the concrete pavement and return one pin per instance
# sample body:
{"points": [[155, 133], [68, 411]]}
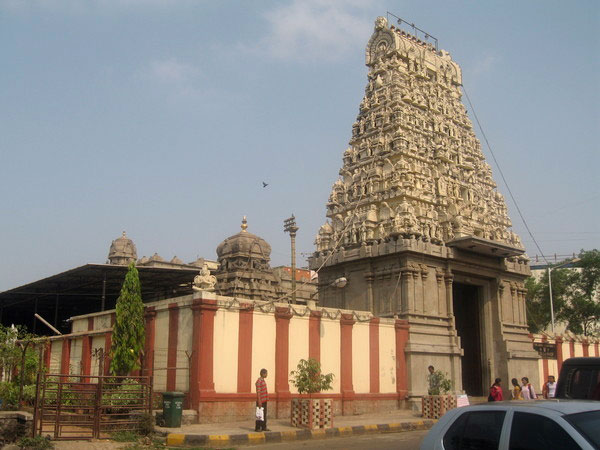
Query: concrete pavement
{"points": [[242, 433]]}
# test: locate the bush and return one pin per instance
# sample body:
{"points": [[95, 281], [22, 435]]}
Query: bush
{"points": [[35, 443], [146, 424], [9, 395], [439, 383]]}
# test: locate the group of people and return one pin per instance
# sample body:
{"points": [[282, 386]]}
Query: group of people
{"points": [[523, 391]]}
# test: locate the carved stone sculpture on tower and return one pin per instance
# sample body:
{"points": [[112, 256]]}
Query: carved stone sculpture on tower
{"points": [[411, 124]]}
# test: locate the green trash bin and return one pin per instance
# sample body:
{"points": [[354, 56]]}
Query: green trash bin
{"points": [[173, 408]]}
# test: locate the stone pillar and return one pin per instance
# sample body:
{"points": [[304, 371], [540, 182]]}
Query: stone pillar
{"points": [[413, 300], [401, 327], [501, 287], [346, 385], [448, 278], [282, 338], [515, 306], [201, 370], [439, 277]]}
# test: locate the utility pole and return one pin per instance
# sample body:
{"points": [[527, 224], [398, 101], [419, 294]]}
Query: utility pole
{"points": [[289, 226]]}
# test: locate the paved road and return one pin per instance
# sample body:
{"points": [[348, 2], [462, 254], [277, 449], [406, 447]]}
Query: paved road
{"points": [[409, 440]]}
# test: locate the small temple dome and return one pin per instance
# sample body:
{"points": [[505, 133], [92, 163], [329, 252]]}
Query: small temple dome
{"points": [[176, 260], [244, 243], [122, 251]]}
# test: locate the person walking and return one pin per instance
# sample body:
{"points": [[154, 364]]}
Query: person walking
{"points": [[262, 398], [527, 389], [516, 390], [549, 389], [495, 391]]}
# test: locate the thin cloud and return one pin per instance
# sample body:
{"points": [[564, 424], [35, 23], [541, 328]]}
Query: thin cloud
{"points": [[172, 71], [315, 30], [485, 65]]}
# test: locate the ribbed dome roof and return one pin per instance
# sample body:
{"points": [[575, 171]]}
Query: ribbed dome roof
{"points": [[244, 244], [122, 251]]}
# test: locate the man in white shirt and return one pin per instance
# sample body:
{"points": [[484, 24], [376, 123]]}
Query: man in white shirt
{"points": [[549, 390]]}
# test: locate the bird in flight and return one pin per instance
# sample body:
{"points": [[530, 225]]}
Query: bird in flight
{"points": [[265, 184]]}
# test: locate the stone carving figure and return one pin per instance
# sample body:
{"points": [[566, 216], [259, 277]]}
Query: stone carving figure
{"points": [[204, 281]]}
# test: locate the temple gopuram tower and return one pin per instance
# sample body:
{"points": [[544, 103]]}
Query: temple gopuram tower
{"points": [[417, 227]]}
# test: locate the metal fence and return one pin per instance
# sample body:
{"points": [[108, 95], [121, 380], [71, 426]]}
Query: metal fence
{"points": [[90, 407]]}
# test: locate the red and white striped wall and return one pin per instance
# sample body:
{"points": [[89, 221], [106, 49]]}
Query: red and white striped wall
{"points": [[213, 348], [567, 346]]}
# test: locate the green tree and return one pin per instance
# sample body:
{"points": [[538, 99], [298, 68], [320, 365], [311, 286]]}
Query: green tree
{"points": [[129, 331], [308, 378], [582, 310], [575, 295]]}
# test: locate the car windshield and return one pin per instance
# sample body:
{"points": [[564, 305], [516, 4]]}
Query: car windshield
{"points": [[588, 424]]}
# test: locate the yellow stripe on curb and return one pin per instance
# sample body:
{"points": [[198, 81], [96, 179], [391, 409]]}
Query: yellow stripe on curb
{"points": [[345, 431], [218, 438], [288, 435], [371, 428], [256, 438], [395, 426], [175, 439], [318, 434]]}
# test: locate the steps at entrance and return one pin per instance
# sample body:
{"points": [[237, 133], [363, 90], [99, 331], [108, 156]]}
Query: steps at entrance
{"points": [[477, 400]]}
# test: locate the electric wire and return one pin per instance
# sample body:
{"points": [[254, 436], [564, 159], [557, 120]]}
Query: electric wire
{"points": [[503, 177]]}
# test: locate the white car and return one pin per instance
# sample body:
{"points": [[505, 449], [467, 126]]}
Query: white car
{"points": [[512, 425]]}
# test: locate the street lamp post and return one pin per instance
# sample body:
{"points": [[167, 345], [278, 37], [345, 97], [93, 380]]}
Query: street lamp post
{"points": [[550, 286], [289, 226]]}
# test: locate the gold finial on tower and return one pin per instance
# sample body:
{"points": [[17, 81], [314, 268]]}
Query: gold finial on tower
{"points": [[244, 225]]}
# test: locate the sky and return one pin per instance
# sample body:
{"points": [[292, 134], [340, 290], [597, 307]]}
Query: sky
{"points": [[163, 118]]}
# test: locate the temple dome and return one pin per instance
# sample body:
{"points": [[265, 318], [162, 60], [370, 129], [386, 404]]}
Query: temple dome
{"points": [[122, 251], [244, 244]]}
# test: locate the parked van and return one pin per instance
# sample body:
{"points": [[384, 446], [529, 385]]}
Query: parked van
{"points": [[579, 378]]}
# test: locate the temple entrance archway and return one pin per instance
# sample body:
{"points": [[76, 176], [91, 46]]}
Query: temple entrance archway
{"points": [[466, 300]]}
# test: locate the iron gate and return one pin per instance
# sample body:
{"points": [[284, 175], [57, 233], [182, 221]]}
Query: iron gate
{"points": [[90, 407]]}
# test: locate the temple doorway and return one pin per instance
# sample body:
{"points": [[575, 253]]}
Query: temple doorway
{"points": [[466, 300]]}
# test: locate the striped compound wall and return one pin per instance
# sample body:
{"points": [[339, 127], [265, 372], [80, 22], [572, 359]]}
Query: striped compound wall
{"points": [[567, 346], [212, 348]]}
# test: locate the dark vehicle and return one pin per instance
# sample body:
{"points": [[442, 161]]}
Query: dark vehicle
{"points": [[579, 379]]}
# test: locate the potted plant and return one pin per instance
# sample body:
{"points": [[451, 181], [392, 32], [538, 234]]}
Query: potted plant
{"points": [[438, 401], [309, 412]]}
